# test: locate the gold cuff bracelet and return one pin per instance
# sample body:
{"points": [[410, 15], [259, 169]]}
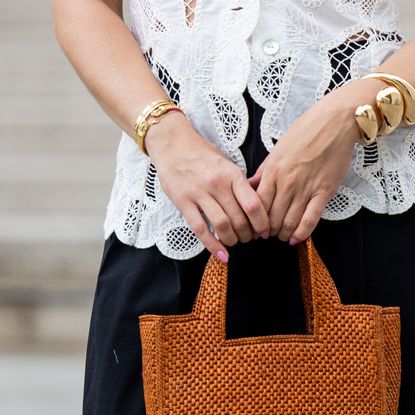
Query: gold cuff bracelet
{"points": [[395, 105], [154, 110]]}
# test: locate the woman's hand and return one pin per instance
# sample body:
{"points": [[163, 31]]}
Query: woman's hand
{"points": [[307, 165], [198, 178]]}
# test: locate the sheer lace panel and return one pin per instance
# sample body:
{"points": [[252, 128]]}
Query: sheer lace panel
{"points": [[230, 120], [271, 79], [340, 60], [152, 183], [171, 87], [181, 239], [394, 191], [366, 8], [342, 55], [411, 152], [371, 155], [155, 22], [130, 223], [190, 10]]}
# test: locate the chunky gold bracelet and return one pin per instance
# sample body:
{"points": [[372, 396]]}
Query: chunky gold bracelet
{"points": [[154, 110], [405, 88], [395, 104]]}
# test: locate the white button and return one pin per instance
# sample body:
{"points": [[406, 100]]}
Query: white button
{"points": [[270, 47]]}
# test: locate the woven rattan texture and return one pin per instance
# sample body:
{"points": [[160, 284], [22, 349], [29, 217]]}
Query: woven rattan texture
{"points": [[348, 362]]}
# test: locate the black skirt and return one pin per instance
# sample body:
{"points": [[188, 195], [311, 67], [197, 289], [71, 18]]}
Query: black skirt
{"points": [[370, 256]]}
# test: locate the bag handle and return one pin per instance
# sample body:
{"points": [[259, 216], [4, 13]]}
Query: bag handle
{"points": [[320, 294]]}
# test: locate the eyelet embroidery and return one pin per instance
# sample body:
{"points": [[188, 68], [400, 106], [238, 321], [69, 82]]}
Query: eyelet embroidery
{"points": [[206, 71]]}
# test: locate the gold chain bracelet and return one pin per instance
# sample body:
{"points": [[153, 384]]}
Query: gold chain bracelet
{"points": [[154, 110]]}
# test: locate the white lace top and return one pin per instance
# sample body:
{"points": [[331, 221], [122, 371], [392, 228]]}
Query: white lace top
{"points": [[289, 53]]}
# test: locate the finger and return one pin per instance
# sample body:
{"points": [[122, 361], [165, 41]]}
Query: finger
{"points": [[239, 221], [256, 178], [219, 220], [278, 210], [251, 204], [201, 229], [292, 218], [266, 192], [310, 218]]}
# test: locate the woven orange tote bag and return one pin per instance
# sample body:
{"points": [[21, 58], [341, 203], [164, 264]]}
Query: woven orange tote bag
{"points": [[347, 362]]}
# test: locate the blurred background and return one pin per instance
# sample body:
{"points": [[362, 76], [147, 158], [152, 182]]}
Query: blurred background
{"points": [[57, 160]]}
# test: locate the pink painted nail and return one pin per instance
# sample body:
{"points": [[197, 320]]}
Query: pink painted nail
{"points": [[265, 235], [251, 179], [255, 236], [223, 256], [293, 241]]}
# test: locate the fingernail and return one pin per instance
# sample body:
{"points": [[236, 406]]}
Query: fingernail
{"points": [[255, 236], [223, 256], [293, 241], [265, 235], [250, 179]]}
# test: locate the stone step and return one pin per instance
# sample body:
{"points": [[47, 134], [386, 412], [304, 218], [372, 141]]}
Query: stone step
{"points": [[62, 259], [39, 81], [55, 227], [33, 54], [52, 168], [41, 384], [26, 8], [54, 107], [48, 329], [23, 138], [14, 28], [17, 292], [49, 198]]}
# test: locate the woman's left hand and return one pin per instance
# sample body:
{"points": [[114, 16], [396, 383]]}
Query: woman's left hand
{"points": [[307, 165]]}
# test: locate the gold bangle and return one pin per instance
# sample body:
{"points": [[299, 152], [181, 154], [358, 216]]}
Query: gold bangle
{"points": [[367, 121], [395, 105], [390, 104], [405, 88], [155, 110]]}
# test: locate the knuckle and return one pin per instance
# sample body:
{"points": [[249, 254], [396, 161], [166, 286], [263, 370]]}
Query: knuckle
{"points": [[221, 224], [241, 225], [309, 222], [289, 226], [198, 227], [252, 206], [214, 180], [183, 195], [275, 227], [326, 188], [291, 181], [274, 230], [230, 240], [246, 237]]}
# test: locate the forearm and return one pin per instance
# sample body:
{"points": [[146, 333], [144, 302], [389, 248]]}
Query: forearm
{"points": [[401, 63], [106, 57]]}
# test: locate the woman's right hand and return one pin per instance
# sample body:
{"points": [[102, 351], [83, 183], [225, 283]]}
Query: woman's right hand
{"points": [[198, 178]]}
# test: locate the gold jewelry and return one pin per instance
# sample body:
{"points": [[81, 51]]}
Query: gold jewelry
{"points": [[391, 106], [405, 88], [155, 110], [395, 104], [367, 121]]}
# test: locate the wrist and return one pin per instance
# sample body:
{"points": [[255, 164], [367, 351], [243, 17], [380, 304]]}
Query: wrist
{"points": [[161, 137], [347, 98]]}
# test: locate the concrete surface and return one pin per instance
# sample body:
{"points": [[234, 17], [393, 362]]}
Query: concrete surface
{"points": [[41, 385]]}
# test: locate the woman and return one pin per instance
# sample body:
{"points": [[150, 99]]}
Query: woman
{"points": [[267, 152]]}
